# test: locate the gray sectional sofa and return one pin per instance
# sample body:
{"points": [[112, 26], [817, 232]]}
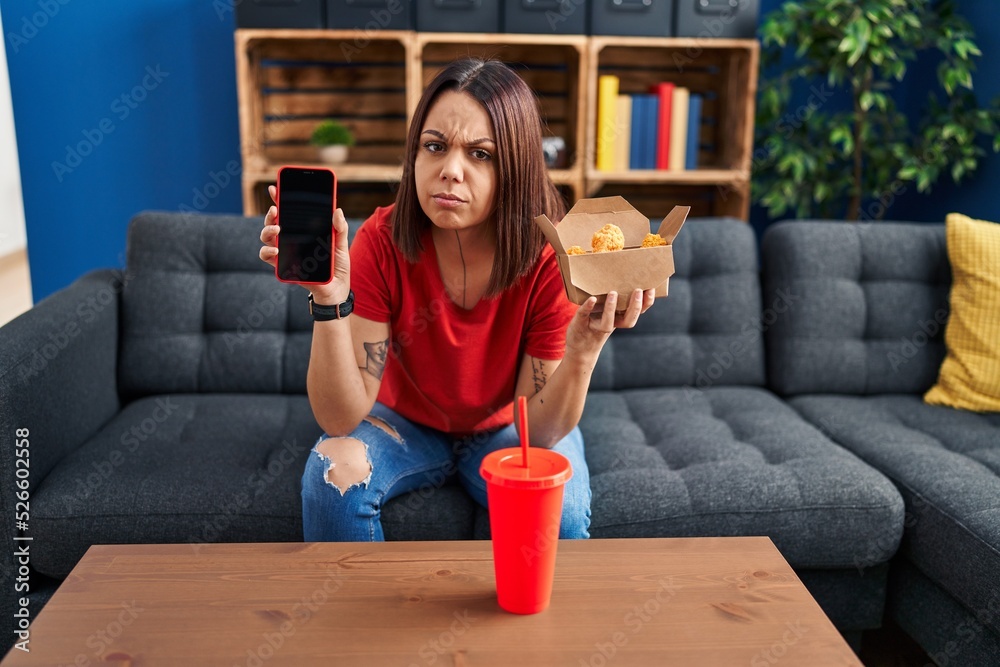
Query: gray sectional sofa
{"points": [[166, 403]]}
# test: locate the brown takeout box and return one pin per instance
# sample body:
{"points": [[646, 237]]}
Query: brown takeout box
{"points": [[596, 274]]}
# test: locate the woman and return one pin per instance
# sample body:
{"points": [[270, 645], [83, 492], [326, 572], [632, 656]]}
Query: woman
{"points": [[458, 307]]}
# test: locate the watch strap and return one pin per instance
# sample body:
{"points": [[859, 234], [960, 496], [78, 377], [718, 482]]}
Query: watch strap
{"points": [[321, 313]]}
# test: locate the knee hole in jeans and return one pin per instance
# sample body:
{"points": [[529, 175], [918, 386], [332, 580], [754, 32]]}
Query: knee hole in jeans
{"points": [[347, 462]]}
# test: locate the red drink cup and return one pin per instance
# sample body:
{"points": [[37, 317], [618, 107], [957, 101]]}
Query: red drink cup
{"points": [[525, 506]]}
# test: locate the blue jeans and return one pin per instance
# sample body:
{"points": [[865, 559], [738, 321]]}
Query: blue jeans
{"points": [[416, 457]]}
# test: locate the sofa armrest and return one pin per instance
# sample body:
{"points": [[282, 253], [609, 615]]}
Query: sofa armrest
{"points": [[58, 365]]}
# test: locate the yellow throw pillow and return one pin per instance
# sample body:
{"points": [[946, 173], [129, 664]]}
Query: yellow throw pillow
{"points": [[970, 374]]}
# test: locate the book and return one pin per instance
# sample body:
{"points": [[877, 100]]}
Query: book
{"points": [[643, 154], [607, 103], [623, 132], [678, 128], [694, 131], [664, 92], [652, 119], [637, 138]]}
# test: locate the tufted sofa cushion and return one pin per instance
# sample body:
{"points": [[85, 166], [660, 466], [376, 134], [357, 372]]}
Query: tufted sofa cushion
{"points": [[202, 313], [708, 330], [868, 306], [946, 463], [734, 461], [203, 468]]}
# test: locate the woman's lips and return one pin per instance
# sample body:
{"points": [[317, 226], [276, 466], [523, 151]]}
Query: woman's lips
{"points": [[447, 202]]}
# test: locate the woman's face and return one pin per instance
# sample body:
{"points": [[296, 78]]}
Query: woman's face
{"points": [[455, 172]]}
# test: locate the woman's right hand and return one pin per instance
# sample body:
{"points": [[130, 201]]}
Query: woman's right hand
{"points": [[338, 289]]}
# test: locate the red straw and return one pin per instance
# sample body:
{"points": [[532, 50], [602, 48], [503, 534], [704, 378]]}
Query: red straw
{"points": [[522, 423]]}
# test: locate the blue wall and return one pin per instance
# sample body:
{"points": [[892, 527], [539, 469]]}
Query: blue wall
{"points": [[71, 61]]}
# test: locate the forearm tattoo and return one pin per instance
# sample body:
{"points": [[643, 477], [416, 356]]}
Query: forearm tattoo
{"points": [[538, 374], [375, 360]]}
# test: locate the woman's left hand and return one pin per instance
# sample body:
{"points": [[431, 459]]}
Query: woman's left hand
{"points": [[592, 325]]}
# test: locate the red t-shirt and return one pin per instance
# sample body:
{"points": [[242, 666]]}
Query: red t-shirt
{"points": [[453, 369]]}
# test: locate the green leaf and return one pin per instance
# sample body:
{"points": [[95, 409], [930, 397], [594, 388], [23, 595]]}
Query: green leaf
{"points": [[823, 191], [841, 134], [965, 47], [848, 44], [949, 81], [957, 170], [863, 30], [786, 163], [923, 182]]}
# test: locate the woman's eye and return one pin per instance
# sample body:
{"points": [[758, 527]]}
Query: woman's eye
{"points": [[480, 154], [433, 146]]}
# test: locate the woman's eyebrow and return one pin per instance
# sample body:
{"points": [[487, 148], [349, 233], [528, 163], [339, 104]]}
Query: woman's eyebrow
{"points": [[474, 142]]}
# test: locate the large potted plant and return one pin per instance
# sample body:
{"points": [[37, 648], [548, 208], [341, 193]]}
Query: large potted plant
{"points": [[814, 159], [333, 139]]}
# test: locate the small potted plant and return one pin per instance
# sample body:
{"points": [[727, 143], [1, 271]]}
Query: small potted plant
{"points": [[333, 139]]}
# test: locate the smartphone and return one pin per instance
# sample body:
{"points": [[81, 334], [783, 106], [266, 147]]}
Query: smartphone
{"points": [[307, 198]]}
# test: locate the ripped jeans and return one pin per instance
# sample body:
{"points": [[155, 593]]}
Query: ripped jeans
{"points": [[343, 503]]}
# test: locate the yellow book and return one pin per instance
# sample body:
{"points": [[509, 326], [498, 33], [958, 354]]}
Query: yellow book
{"points": [[607, 103], [623, 132], [678, 128]]}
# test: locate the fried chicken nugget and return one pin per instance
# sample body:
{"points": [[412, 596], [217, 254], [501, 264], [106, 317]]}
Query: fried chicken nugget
{"points": [[653, 240], [608, 238], [575, 250]]}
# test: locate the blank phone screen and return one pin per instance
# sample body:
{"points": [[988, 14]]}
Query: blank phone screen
{"points": [[305, 215]]}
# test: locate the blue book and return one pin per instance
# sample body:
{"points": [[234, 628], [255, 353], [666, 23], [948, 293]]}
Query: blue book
{"points": [[652, 123], [636, 141], [694, 132]]}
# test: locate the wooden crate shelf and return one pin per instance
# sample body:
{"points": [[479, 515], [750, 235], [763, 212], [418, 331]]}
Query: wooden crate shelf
{"points": [[287, 80], [723, 71]]}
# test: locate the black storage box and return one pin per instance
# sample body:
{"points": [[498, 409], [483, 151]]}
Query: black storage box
{"points": [[717, 18], [648, 18], [280, 14], [370, 14], [549, 17], [458, 15]]}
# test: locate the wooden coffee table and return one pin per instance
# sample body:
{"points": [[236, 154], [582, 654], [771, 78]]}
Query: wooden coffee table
{"points": [[698, 601]]}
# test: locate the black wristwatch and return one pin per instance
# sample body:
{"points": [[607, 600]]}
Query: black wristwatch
{"points": [[325, 313]]}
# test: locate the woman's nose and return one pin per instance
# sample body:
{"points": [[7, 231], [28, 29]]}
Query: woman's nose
{"points": [[451, 167]]}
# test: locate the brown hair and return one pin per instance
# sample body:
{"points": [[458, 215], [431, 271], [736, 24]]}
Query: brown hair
{"points": [[524, 189]]}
